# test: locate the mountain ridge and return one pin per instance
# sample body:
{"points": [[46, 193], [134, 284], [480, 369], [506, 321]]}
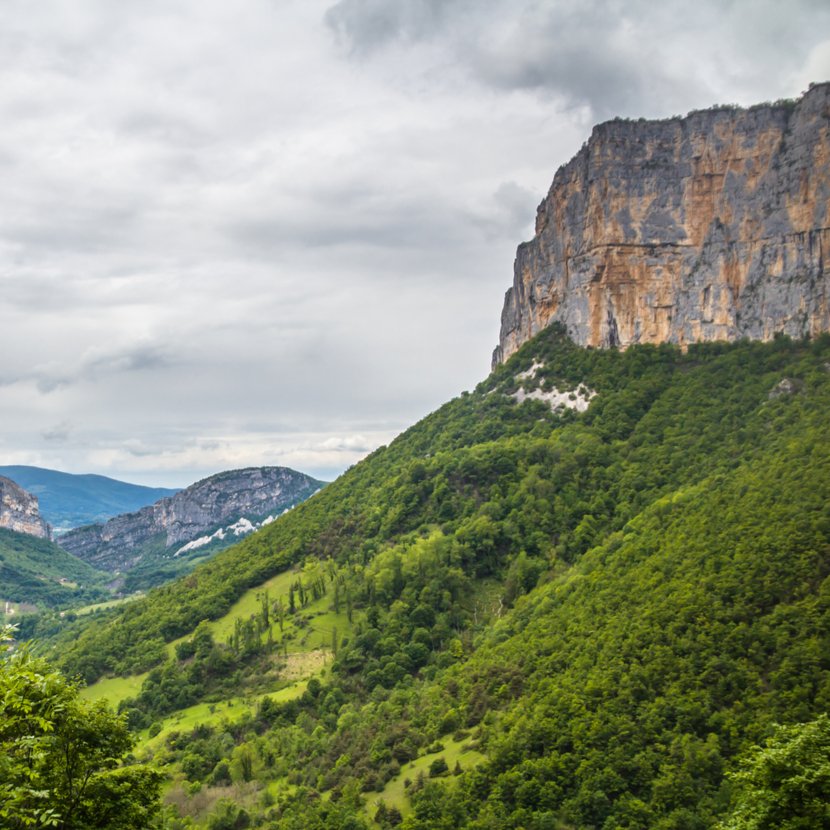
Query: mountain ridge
{"points": [[610, 606], [175, 524], [35, 574]]}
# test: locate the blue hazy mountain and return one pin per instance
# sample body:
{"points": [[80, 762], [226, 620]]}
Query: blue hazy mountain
{"points": [[68, 500]]}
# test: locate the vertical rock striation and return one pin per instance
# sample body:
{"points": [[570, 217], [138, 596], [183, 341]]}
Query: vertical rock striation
{"points": [[19, 511], [715, 226]]}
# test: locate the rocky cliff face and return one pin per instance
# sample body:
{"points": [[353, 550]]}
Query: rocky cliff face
{"points": [[253, 494], [19, 511], [711, 227]]}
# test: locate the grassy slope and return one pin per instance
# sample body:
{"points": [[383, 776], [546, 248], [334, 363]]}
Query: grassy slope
{"points": [[308, 646], [396, 792]]}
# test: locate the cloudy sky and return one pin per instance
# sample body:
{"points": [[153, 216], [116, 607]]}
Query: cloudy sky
{"points": [[279, 231]]}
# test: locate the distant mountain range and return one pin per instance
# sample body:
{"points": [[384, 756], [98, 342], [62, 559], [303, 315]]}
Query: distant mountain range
{"points": [[162, 540], [68, 500]]}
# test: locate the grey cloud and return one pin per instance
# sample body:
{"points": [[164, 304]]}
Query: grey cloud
{"points": [[47, 382], [58, 434], [509, 212], [138, 450], [369, 24], [75, 227], [58, 375], [633, 58], [401, 226], [136, 359]]}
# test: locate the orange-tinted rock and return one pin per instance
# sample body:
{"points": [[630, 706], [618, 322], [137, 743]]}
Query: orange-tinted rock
{"points": [[711, 227]]}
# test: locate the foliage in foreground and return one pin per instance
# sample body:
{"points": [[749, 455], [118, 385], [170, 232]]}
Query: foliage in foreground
{"points": [[60, 758], [785, 785]]}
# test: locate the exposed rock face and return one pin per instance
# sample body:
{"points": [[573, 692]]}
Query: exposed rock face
{"points": [[711, 227], [251, 493], [19, 511]]}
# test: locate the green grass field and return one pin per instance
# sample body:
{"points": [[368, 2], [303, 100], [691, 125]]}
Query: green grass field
{"points": [[211, 714], [114, 689], [311, 628], [102, 606], [307, 645], [394, 793]]}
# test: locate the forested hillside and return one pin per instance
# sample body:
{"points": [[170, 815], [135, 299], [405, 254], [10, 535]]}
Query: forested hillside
{"points": [[37, 572], [539, 618]]}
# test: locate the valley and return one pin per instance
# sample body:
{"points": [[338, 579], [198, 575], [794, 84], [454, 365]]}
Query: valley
{"points": [[101, 565]]}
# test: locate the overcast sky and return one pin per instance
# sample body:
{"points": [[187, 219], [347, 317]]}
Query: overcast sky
{"points": [[278, 232]]}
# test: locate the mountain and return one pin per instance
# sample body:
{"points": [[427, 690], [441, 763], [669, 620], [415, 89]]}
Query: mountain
{"points": [[68, 500], [594, 592], [715, 226], [167, 537], [575, 597], [19, 511]]}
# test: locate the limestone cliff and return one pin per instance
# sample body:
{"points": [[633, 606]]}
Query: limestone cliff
{"points": [[715, 226], [19, 511], [172, 523]]}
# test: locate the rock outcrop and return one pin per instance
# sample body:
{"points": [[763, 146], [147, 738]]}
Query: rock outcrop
{"points": [[254, 494], [715, 226], [19, 511]]}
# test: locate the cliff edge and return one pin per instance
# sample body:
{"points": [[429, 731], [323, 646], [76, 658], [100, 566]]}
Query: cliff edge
{"points": [[715, 226], [19, 511]]}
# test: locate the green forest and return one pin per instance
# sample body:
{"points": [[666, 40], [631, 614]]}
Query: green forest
{"points": [[510, 617]]}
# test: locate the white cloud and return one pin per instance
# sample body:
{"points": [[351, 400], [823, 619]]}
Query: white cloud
{"points": [[238, 234]]}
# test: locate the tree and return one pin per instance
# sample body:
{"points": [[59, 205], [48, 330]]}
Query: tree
{"points": [[786, 784], [438, 767], [60, 756]]}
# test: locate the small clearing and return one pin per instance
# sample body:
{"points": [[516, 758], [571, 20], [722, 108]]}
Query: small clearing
{"points": [[301, 664], [577, 400]]}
